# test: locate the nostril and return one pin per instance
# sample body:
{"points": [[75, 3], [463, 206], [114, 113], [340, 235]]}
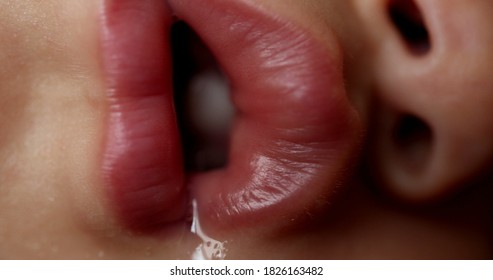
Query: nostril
{"points": [[413, 139], [408, 20]]}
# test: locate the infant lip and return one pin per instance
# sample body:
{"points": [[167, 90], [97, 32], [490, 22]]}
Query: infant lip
{"points": [[295, 135], [142, 162], [293, 139]]}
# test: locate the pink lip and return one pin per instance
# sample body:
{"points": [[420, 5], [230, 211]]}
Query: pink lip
{"points": [[142, 161], [294, 136]]}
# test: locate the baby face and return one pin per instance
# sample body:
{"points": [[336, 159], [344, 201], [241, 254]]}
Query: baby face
{"points": [[345, 129]]}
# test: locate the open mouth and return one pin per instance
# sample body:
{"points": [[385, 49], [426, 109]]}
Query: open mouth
{"points": [[204, 108], [284, 144]]}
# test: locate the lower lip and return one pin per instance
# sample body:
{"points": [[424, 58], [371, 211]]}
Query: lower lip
{"points": [[142, 160], [294, 135]]}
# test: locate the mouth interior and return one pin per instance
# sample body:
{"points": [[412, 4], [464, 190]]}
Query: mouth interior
{"points": [[202, 102]]}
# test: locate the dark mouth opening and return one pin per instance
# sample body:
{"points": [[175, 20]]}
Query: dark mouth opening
{"points": [[408, 20], [201, 95]]}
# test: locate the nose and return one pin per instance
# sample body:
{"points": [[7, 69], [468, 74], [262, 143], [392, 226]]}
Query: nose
{"points": [[432, 125]]}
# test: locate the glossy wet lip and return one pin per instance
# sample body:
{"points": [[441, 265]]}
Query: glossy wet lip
{"points": [[142, 160], [296, 131]]}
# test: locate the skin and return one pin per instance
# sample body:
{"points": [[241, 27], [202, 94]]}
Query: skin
{"points": [[52, 203]]}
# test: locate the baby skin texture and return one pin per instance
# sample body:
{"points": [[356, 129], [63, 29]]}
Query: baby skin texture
{"points": [[361, 130]]}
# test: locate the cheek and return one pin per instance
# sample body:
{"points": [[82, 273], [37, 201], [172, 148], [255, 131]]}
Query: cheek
{"points": [[48, 125]]}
